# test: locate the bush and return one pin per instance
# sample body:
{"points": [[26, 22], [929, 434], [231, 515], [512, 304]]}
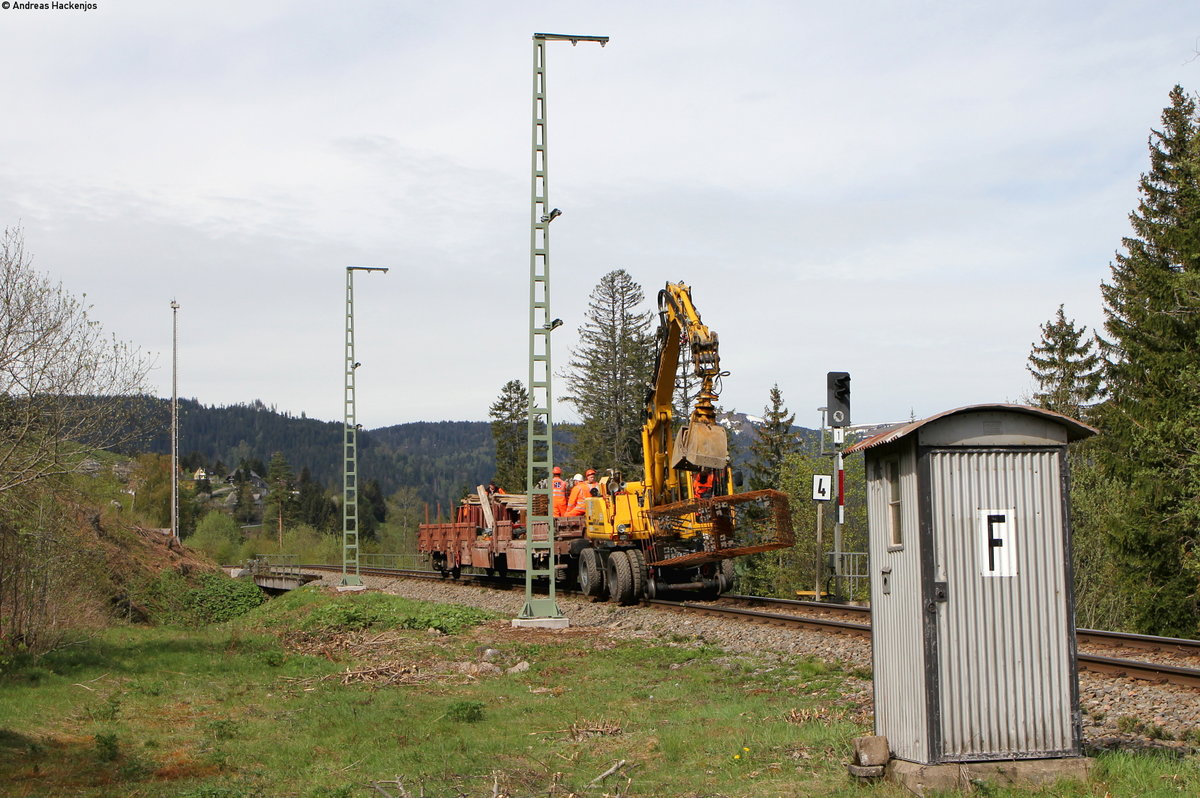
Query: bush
{"points": [[312, 546], [171, 600], [465, 711], [218, 536], [219, 598]]}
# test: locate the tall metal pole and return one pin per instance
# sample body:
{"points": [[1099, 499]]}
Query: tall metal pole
{"points": [[350, 444], [539, 554], [174, 421]]}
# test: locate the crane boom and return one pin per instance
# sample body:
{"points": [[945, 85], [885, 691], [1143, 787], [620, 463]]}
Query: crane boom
{"points": [[701, 443]]}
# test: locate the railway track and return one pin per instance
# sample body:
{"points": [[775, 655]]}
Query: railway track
{"points": [[1175, 660]]}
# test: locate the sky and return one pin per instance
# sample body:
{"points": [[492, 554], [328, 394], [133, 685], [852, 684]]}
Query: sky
{"points": [[904, 191]]}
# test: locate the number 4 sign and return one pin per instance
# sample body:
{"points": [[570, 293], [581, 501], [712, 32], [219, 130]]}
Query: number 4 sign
{"points": [[822, 487]]}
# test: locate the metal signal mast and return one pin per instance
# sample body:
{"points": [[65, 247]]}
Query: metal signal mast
{"points": [[540, 452], [350, 444]]}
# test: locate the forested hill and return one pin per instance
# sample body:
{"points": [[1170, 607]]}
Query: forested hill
{"points": [[440, 459]]}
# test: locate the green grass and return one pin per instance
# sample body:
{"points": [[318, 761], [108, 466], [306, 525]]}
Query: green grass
{"points": [[257, 707]]}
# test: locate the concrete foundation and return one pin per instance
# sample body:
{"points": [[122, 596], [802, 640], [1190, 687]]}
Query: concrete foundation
{"points": [[351, 588], [542, 623], [965, 776]]}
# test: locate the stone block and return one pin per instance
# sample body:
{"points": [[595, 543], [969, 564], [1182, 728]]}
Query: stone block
{"points": [[865, 771], [923, 780], [541, 623], [1026, 772], [871, 751]]}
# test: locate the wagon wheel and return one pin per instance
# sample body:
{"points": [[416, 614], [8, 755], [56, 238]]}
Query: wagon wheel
{"points": [[591, 583], [620, 578]]}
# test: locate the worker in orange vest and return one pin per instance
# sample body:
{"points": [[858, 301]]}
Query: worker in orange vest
{"points": [[583, 490], [558, 492], [702, 484]]}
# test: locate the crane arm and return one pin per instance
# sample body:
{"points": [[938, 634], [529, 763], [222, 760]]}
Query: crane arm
{"points": [[702, 443]]}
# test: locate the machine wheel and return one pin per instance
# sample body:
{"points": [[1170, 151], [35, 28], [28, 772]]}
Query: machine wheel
{"points": [[637, 563], [728, 576], [620, 578], [591, 583], [456, 572]]}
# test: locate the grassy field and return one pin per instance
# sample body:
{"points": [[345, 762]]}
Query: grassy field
{"points": [[319, 694]]}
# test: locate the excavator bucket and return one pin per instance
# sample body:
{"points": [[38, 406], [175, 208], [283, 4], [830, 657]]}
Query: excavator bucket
{"points": [[701, 445]]}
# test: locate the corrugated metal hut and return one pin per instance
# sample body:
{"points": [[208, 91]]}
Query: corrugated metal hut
{"points": [[971, 593]]}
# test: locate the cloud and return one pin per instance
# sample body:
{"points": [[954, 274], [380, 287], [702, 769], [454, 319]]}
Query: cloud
{"points": [[902, 192]]}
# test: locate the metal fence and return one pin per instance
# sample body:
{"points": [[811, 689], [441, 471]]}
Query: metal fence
{"points": [[849, 574], [274, 565]]}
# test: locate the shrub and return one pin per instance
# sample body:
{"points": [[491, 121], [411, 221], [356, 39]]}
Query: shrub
{"points": [[219, 598], [107, 747], [465, 711], [171, 600], [218, 536]]}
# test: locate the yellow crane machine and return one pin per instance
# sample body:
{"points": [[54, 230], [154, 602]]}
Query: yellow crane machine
{"points": [[681, 526]]}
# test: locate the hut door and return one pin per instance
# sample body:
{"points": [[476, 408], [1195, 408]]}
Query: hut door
{"points": [[1005, 646]]}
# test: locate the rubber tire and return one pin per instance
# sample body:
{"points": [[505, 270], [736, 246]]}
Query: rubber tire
{"points": [[637, 564], [620, 578], [591, 581], [730, 574]]}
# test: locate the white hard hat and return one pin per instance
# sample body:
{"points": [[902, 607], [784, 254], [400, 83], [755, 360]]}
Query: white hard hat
{"points": [[578, 477]]}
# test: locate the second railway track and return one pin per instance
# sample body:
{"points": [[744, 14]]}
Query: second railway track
{"points": [[1170, 660]]}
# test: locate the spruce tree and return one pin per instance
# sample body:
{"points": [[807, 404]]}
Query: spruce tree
{"points": [[608, 374], [1066, 368], [1150, 445], [314, 506], [510, 414], [1068, 373], [773, 442]]}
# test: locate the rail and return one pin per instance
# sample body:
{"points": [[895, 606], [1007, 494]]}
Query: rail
{"points": [[850, 624]]}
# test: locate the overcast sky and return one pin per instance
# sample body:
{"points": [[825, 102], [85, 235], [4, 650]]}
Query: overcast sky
{"points": [[904, 191]]}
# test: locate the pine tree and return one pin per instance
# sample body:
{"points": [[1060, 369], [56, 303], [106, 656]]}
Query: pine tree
{"points": [[280, 502], [773, 442], [314, 506], [1150, 445], [608, 375], [510, 415], [372, 509], [1065, 367]]}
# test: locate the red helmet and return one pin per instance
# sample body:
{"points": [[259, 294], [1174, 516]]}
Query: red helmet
{"points": [[589, 472], [558, 471]]}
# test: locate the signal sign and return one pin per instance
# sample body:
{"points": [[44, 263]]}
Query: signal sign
{"points": [[822, 487], [837, 384]]}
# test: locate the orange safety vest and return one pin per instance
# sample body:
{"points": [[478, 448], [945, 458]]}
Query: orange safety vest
{"points": [[579, 494], [558, 487], [702, 485]]}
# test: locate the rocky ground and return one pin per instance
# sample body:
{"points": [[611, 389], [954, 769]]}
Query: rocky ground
{"points": [[1117, 713]]}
